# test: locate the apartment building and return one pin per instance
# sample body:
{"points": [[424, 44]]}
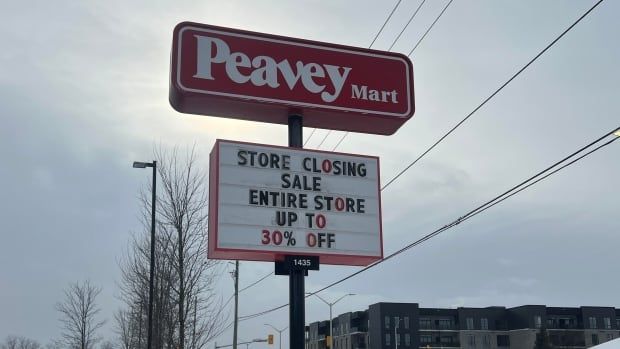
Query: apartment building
{"points": [[406, 325]]}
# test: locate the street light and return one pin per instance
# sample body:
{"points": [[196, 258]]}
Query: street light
{"points": [[255, 340], [396, 326], [279, 332], [138, 164], [247, 344], [331, 329]]}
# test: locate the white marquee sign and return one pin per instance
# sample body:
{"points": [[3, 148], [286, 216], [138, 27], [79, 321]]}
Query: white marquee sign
{"points": [[267, 202]]}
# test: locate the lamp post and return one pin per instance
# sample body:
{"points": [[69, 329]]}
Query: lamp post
{"points": [[396, 325], [153, 164], [331, 328], [279, 333]]}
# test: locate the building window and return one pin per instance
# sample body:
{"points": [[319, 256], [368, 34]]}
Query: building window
{"points": [[398, 338], [408, 339], [396, 321], [387, 322], [538, 321], [406, 321], [594, 339], [486, 341], [445, 324], [503, 340], [387, 339], [471, 340], [484, 323], [470, 323], [592, 322], [425, 324], [426, 339], [607, 322], [445, 339]]}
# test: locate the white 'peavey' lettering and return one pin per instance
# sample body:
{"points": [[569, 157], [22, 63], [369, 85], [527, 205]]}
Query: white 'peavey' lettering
{"points": [[265, 69]]}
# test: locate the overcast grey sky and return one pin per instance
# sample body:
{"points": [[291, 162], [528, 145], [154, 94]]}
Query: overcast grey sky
{"points": [[84, 92]]}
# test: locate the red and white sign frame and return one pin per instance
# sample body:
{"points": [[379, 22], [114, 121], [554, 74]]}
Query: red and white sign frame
{"points": [[217, 252], [381, 71]]}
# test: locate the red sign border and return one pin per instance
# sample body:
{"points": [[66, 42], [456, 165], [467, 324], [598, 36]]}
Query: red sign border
{"points": [[393, 120], [215, 252]]}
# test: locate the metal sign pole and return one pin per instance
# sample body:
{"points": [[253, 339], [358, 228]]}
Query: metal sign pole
{"points": [[297, 314], [295, 131]]}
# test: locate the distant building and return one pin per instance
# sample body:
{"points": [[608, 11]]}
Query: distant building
{"points": [[406, 325]]}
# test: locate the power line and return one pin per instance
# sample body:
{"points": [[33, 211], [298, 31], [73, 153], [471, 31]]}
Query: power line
{"points": [[443, 137], [369, 46], [256, 282], [492, 95], [384, 23], [340, 141], [241, 290], [249, 286], [416, 45], [407, 25], [488, 204], [324, 138], [488, 98], [545, 176], [430, 27], [496, 200], [308, 139]]}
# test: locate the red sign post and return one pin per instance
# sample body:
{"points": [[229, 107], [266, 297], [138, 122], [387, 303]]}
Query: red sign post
{"points": [[252, 76]]}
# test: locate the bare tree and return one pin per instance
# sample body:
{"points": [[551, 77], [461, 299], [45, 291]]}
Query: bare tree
{"points": [[107, 345], [187, 312], [54, 344], [18, 342], [184, 211], [27, 343], [10, 342], [124, 328], [79, 316]]}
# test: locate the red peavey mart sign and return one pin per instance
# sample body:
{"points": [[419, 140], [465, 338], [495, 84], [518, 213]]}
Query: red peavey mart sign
{"points": [[252, 76]]}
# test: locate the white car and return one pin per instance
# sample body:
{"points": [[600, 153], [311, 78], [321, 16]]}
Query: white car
{"points": [[614, 344]]}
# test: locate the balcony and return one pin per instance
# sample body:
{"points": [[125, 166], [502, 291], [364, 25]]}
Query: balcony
{"points": [[439, 328], [563, 324], [440, 345], [567, 338]]}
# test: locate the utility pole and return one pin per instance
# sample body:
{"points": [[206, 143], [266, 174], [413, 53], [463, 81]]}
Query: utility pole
{"points": [[236, 277], [138, 164]]}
